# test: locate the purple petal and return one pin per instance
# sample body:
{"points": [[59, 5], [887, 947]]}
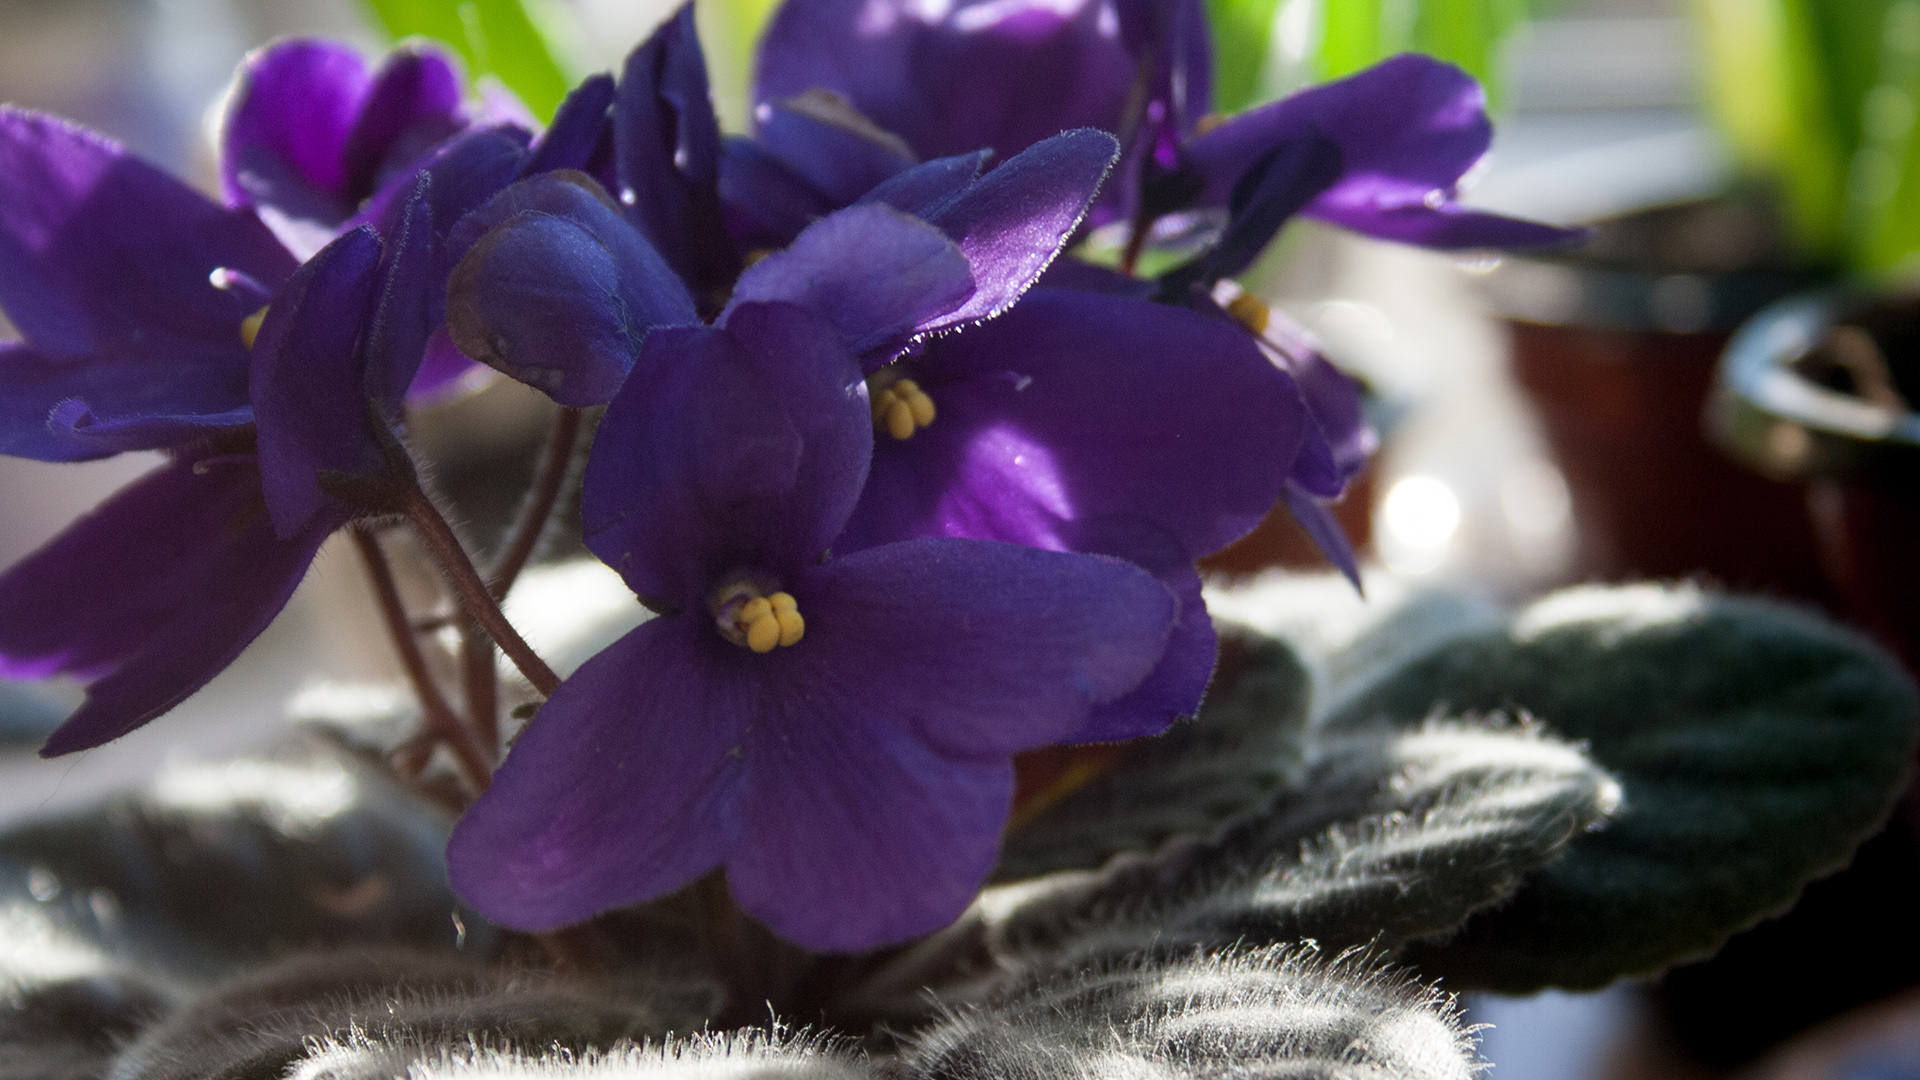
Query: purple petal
{"points": [[581, 135], [1269, 193], [1015, 219], [445, 371], [765, 202], [559, 290], [284, 138], [927, 188], [1408, 128], [1332, 399], [742, 447], [1077, 406], [309, 395], [74, 425], [412, 107], [150, 596], [860, 834], [405, 316], [1079, 276], [1324, 528], [106, 268], [879, 276], [842, 154], [466, 171], [623, 788], [43, 417], [667, 146], [1178, 682], [951, 79]]}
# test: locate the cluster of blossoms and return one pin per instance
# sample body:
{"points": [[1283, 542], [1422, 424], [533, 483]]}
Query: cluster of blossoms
{"points": [[907, 492]]}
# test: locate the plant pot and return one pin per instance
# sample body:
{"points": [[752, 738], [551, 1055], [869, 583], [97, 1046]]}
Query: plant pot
{"points": [[1789, 402], [1615, 345]]}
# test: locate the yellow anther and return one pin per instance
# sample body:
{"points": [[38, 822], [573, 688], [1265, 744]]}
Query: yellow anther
{"points": [[781, 601], [786, 612], [763, 634], [753, 611], [900, 419], [1250, 312], [900, 407], [250, 327]]}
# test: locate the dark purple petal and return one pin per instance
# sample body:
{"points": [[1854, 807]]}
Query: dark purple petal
{"points": [[980, 649], [927, 188], [667, 149], [284, 138], [445, 371], [1013, 221], [467, 171], [1080, 276], [1269, 193], [742, 447], [879, 276], [405, 314], [842, 154], [42, 415], [74, 425], [951, 79], [1173, 690], [1332, 399], [765, 202], [1077, 406], [413, 105], [309, 395], [151, 595], [1324, 528], [581, 135], [861, 835], [106, 268], [623, 788], [1408, 128], [559, 290]]}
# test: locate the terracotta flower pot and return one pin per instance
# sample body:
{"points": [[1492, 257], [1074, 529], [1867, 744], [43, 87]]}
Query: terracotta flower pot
{"points": [[1615, 345], [1815, 391]]}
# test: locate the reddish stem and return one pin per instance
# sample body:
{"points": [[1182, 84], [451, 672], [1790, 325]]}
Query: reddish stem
{"points": [[475, 598]]}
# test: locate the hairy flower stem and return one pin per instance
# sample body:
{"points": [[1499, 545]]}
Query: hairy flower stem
{"points": [[475, 598], [475, 764], [476, 649]]}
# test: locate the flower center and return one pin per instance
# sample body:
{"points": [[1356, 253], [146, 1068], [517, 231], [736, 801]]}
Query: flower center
{"points": [[900, 407], [761, 622], [1250, 312], [250, 327]]}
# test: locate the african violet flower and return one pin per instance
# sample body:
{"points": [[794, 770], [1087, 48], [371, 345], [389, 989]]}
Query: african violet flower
{"points": [[833, 730], [315, 142], [140, 302]]}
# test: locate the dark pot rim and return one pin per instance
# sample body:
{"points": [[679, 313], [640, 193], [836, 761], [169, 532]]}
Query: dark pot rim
{"points": [[1788, 427]]}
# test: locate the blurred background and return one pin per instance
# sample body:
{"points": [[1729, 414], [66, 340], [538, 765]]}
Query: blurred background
{"points": [[1542, 419]]}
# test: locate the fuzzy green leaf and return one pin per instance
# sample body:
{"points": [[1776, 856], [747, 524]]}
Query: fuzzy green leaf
{"points": [[1244, 746], [1266, 1012], [1757, 745]]}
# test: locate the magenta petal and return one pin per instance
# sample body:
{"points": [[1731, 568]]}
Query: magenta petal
{"points": [[1014, 220], [622, 789], [284, 138], [879, 276], [106, 268], [862, 835], [150, 596], [1076, 407]]}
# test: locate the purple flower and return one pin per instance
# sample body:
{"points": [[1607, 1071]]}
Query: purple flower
{"points": [[833, 730], [1001, 73], [315, 142], [139, 301]]}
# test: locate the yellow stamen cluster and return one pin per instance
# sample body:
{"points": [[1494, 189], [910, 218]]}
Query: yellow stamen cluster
{"points": [[901, 408], [1250, 312], [250, 327], [770, 621]]}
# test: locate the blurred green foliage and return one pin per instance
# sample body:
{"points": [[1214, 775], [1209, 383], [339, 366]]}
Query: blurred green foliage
{"points": [[1819, 97], [495, 37]]}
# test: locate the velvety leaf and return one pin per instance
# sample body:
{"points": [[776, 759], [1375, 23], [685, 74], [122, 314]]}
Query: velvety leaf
{"points": [[1757, 745], [738, 1055], [1243, 747], [1278, 1012], [347, 1015], [1390, 837], [65, 1004], [225, 863]]}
